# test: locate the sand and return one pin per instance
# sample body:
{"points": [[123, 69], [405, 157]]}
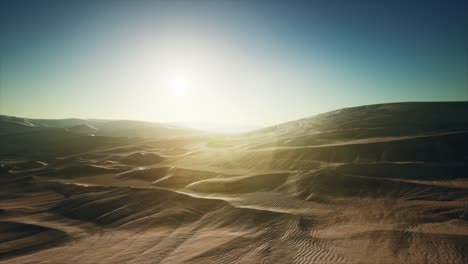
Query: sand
{"points": [[372, 184]]}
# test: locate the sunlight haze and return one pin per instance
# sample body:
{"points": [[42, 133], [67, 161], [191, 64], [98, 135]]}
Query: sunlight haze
{"points": [[232, 62], [234, 131]]}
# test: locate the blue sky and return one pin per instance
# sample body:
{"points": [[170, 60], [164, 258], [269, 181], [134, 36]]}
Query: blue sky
{"points": [[231, 62]]}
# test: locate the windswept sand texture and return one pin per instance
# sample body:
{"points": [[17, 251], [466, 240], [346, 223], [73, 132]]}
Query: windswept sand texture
{"points": [[372, 184]]}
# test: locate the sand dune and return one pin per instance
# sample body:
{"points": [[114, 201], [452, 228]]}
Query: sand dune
{"points": [[373, 184], [17, 239]]}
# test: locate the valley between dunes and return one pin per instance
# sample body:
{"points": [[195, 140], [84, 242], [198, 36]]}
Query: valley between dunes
{"points": [[382, 183]]}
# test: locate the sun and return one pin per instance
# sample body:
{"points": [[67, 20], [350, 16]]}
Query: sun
{"points": [[179, 86]]}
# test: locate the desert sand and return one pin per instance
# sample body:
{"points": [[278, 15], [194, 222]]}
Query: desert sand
{"points": [[382, 183]]}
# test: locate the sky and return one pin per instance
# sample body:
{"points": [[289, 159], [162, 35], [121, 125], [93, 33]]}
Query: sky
{"points": [[249, 63]]}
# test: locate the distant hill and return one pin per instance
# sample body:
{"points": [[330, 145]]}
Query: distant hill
{"points": [[379, 120], [98, 127]]}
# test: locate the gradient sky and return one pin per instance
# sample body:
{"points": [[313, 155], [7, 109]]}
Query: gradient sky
{"points": [[229, 62]]}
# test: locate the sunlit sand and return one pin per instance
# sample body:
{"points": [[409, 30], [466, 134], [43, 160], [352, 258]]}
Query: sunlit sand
{"points": [[333, 188]]}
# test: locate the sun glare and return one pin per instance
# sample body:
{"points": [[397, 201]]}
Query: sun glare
{"points": [[179, 86]]}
